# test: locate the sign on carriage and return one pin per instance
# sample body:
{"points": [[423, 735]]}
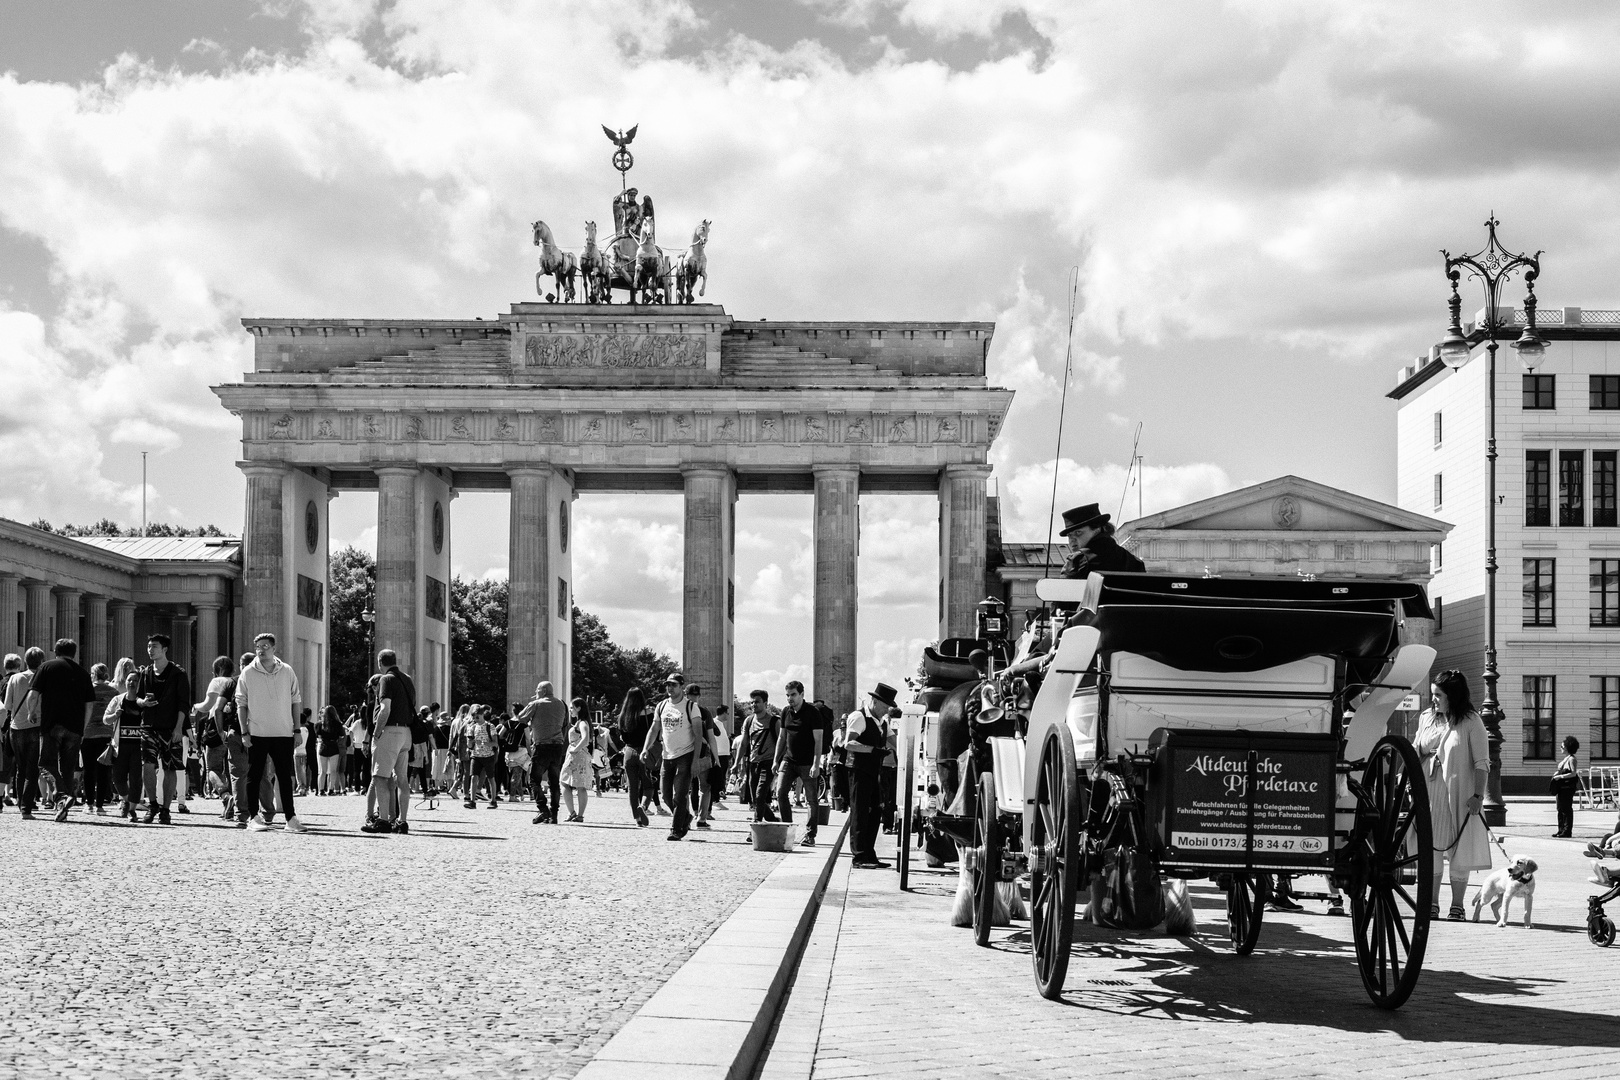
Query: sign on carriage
{"points": [[1230, 796]]}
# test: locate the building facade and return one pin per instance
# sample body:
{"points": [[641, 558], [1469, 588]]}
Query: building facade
{"points": [[109, 593], [1557, 535], [1287, 526]]}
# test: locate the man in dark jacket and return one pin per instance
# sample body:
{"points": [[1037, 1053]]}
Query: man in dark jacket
{"points": [[1091, 544]]}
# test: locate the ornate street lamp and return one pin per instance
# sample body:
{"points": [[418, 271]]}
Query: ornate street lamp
{"points": [[369, 617], [1493, 265]]}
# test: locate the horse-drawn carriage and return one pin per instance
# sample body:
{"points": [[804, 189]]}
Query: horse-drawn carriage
{"points": [[1191, 728]]}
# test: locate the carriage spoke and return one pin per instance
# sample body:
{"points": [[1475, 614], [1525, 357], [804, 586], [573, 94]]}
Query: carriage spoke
{"points": [[1399, 925], [1400, 890]]}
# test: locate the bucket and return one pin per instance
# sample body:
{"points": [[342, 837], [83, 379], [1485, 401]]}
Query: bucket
{"points": [[772, 835]]}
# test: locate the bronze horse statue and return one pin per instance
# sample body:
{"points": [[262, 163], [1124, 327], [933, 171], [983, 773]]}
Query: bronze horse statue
{"points": [[560, 264]]}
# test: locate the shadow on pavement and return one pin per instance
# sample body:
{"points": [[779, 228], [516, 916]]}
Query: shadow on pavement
{"points": [[1297, 977]]}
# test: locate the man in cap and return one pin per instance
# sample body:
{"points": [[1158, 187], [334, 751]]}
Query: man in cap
{"points": [[1090, 534], [867, 739]]}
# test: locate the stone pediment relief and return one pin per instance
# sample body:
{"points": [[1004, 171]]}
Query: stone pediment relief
{"points": [[1288, 513]]}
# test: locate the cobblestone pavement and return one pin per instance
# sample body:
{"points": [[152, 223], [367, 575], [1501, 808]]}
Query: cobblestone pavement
{"points": [[480, 945], [907, 995]]}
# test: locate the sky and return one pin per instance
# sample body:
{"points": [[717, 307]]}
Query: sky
{"points": [[1250, 198]]}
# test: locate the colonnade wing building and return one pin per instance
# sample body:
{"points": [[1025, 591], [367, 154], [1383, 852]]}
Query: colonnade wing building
{"points": [[109, 592], [552, 400]]}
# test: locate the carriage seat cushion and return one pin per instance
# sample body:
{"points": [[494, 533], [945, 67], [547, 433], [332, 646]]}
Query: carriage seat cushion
{"points": [[932, 697]]}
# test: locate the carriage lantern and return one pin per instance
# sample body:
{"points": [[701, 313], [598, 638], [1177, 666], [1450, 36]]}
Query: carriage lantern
{"points": [[991, 618]]}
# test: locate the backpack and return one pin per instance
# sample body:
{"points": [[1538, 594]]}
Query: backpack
{"points": [[421, 727], [512, 739], [228, 721]]}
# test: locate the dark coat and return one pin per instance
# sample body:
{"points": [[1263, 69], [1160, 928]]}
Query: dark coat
{"points": [[1102, 552]]}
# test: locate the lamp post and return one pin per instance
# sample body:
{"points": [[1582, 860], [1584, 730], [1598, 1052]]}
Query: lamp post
{"points": [[1493, 265], [369, 617]]}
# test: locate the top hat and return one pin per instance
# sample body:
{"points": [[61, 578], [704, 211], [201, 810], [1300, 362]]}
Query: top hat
{"points": [[1082, 516], [884, 693]]}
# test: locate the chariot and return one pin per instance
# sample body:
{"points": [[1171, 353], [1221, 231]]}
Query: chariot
{"points": [[1193, 728]]}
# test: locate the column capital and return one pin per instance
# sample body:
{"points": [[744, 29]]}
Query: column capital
{"points": [[264, 468], [397, 470], [121, 605], [963, 470], [67, 590], [841, 468], [530, 469], [208, 605], [8, 575], [706, 468]]}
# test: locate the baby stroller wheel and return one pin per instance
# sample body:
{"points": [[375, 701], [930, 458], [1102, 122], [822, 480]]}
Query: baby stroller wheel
{"points": [[1600, 930]]}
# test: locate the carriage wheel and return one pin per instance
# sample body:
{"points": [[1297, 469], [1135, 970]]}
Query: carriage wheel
{"points": [[986, 859], [1392, 883], [1054, 860], [902, 848], [1246, 896]]}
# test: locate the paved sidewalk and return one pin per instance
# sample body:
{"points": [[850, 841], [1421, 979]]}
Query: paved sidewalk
{"points": [[481, 945], [888, 989]]}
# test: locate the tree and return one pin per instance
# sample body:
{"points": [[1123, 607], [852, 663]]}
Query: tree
{"points": [[351, 584], [603, 671], [109, 527], [478, 642]]}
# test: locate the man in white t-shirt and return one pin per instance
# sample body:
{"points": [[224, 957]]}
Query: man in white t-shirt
{"points": [[267, 704], [677, 726]]}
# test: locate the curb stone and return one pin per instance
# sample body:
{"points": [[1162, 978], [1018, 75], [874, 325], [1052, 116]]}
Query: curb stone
{"points": [[712, 1019]]}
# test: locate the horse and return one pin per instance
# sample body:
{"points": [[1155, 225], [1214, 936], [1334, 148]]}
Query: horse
{"points": [[560, 264], [694, 265], [652, 272], [593, 267]]}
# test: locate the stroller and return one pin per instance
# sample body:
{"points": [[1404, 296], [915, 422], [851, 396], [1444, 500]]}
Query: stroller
{"points": [[1599, 927]]}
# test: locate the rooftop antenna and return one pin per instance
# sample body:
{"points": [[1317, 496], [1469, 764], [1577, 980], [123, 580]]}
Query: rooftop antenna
{"points": [[1063, 405]]}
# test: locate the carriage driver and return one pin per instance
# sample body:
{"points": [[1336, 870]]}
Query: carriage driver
{"points": [[866, 740], [1091, 544]]}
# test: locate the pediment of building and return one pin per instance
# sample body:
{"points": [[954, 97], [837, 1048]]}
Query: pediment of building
{"points": [[1288, 504]]}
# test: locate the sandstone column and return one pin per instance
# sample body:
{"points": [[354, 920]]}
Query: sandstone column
{"points": [[961, 546], [123, 633], [397, 570], [93, 649], [180, 644], [837, 537], [528, 642], [263, 553], [9, 596], [711, 492], [37, 622], [67, 615], [207, 633]]}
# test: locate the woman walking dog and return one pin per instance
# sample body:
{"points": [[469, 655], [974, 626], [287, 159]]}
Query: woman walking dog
{"points": [[1451, 742]]}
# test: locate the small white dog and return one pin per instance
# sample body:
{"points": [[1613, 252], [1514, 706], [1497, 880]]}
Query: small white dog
{"points": [[1516, 879]]}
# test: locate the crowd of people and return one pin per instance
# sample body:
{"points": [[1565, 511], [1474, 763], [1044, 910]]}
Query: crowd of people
{"points": [[136, 741]]}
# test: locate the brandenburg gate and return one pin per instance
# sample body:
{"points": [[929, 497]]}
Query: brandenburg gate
{"points": [[557, 398]]}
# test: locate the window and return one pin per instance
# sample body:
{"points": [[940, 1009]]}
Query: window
{"points": [[1439, 614], [1437, 429], [1572, 487], [1538, 487], [1603, 488], [1604, 592], [1538, 717], [1434, 558], [1605, 391], [1604, 735], [1538, 592], [1538, 391], [1439, 491]]}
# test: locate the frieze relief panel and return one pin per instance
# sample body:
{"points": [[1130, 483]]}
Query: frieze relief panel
{"points": [[615, 351], [615, 427]]}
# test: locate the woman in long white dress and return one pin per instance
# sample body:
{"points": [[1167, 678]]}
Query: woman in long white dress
{"points": [[577, 775], [1452, 745]]}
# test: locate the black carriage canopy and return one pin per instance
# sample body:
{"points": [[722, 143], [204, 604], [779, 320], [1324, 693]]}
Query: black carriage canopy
{"points": [[1252, 623]]}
